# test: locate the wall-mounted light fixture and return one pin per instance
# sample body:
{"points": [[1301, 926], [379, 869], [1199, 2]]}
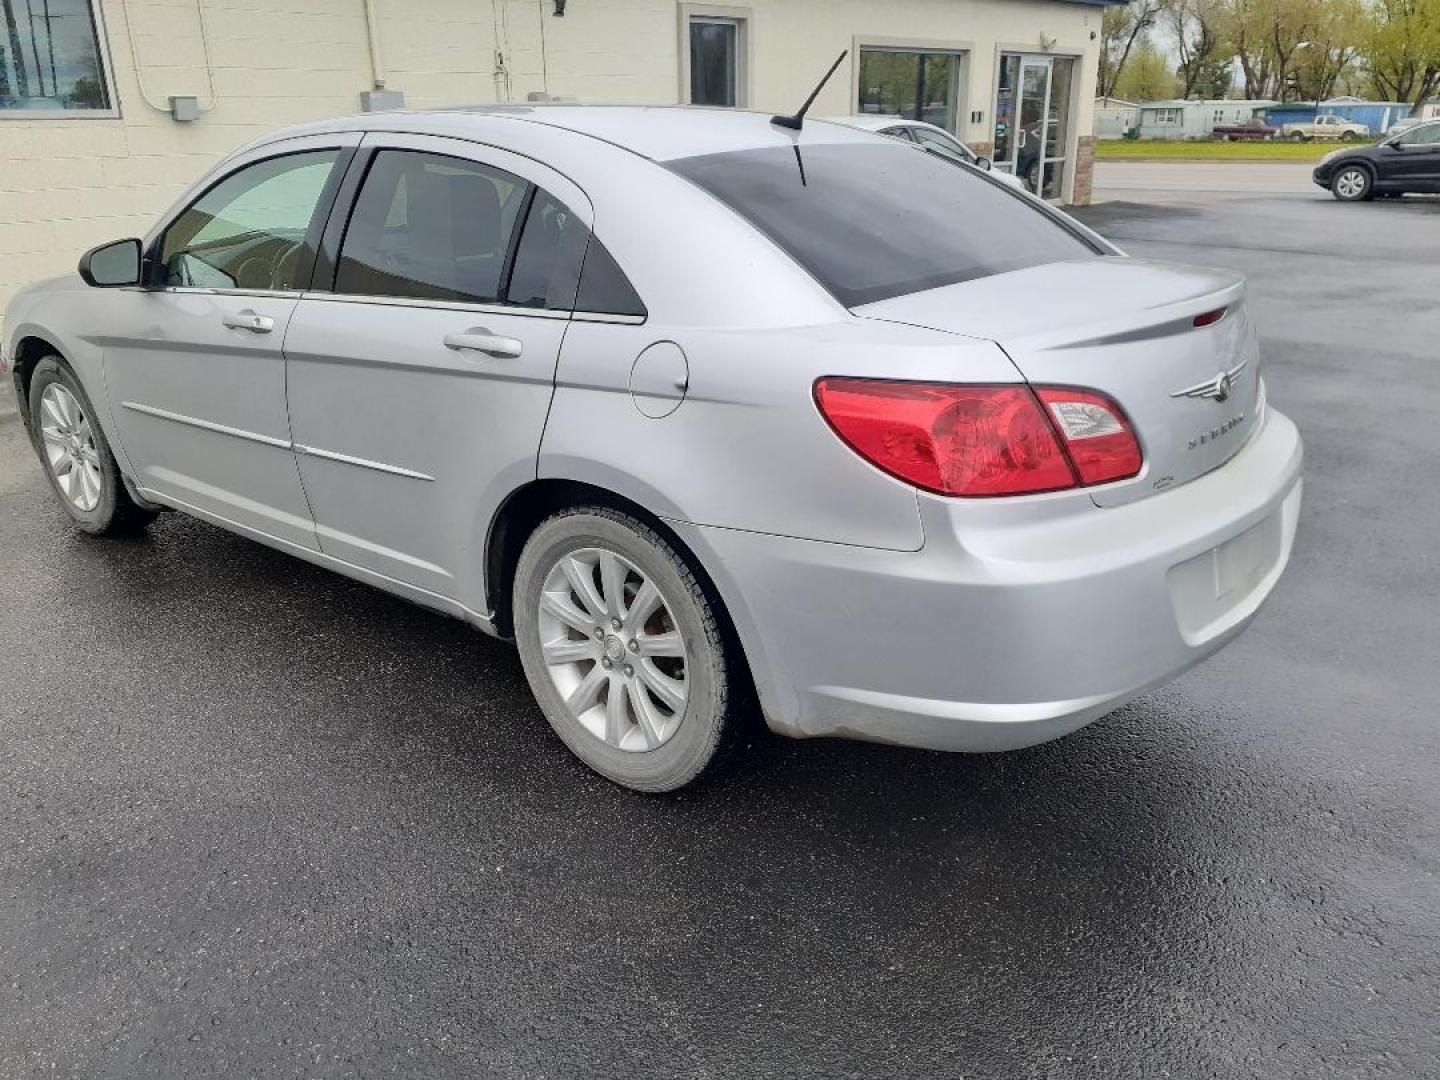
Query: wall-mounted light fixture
{"points": [[559, 9]]}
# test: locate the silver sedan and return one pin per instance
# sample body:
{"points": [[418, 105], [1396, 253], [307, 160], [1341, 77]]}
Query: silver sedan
{"points": [[715, 417]]}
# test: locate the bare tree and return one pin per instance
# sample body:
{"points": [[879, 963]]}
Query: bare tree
{"points": [[1195, 27], [1120, 28]]}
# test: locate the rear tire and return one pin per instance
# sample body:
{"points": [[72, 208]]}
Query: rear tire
{"points": [[626, 651], [1297, 136], [1353, 183], [1347, 136], [76, 456]]}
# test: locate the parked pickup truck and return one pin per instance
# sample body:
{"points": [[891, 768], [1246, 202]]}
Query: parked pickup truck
{"points": [[1254, 128], [1326, 127]]}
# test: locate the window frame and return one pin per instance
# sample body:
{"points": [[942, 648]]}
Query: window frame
{"points": [[362, 168], [107, 71], [558, 186], [342, 143], [959, 52], [743, 19]]}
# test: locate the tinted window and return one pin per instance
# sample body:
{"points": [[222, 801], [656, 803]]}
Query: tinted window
{"points": [[1426, 135], [253, 230], [871, 221], [604, 288], [547, 260], [430, 227]]}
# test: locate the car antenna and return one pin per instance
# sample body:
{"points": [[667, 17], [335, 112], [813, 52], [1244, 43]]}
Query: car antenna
{"points": [[794, 122]]}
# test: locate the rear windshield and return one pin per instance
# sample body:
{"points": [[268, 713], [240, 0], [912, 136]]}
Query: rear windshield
{"points": [[871, 221]]}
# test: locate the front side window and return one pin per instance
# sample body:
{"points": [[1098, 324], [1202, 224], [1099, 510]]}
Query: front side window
{"points": [[1429, 135], [871, 220], [253, 230], [51, 58], [714, 61]]}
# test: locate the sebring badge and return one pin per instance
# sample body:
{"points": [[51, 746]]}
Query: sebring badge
{"points": [[1218, 388]]}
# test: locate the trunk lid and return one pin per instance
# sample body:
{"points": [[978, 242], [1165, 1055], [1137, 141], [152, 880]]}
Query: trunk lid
{"points": [[1125, 327]]}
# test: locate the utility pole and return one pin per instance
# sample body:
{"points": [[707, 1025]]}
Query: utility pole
{"points": [[17, 56]]}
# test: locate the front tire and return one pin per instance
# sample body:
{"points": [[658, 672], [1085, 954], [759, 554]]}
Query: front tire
{"points": [[625, 650], [1352, 184], [76, 456]]}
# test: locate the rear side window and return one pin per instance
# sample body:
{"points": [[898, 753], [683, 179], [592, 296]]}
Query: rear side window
{"points": [[548, 257], [604, 288], [430, 227], [870, 221]]}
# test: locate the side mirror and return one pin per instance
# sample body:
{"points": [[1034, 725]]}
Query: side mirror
{"points": [[111, 265], [985, 163]]}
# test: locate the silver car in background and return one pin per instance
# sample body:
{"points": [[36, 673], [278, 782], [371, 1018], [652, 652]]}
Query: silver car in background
{"points": [[707, 413], [929, 137]]}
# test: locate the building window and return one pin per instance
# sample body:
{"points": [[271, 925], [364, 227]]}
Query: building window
{"points": [[52, 59], [715, 61], [915, 85], [1167, 116]]}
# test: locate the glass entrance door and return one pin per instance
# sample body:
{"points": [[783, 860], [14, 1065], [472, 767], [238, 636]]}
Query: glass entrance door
{"points": [[1032, 120]]}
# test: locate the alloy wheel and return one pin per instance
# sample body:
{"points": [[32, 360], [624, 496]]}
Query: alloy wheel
{"points": [[613, 649], [1350, 184], [70, 451]]}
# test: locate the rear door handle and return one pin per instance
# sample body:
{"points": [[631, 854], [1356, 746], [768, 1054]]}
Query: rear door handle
{"points": [[248, 320], [479, 339]]}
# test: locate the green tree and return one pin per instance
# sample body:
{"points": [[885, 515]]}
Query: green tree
{"points": [[1147, 76], [1402, 49], [1332, 50]]}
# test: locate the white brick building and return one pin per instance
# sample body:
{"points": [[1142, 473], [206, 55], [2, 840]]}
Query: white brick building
{"points": [[91, 148]]}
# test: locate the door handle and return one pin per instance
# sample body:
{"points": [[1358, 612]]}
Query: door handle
{"points": [[479, 339], [248, 320]]}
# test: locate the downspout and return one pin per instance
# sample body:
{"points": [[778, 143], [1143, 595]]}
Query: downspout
{"points": [[372, 35]]}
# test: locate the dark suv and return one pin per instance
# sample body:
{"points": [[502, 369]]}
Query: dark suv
{"points": [[1406, 162]]}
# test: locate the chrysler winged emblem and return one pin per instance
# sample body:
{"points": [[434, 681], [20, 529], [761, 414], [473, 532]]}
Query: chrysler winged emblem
{"points": [[1217, 388]]}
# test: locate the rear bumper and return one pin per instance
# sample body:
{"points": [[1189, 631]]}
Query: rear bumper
{"points": [[1018, 621]]}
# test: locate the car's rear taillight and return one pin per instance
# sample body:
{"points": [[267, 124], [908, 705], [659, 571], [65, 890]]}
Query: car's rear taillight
{"points": [[1097, 435], [981, 440]]}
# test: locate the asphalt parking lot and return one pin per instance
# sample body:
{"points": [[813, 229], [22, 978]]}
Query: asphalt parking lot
{"points": [[256, 820]]}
